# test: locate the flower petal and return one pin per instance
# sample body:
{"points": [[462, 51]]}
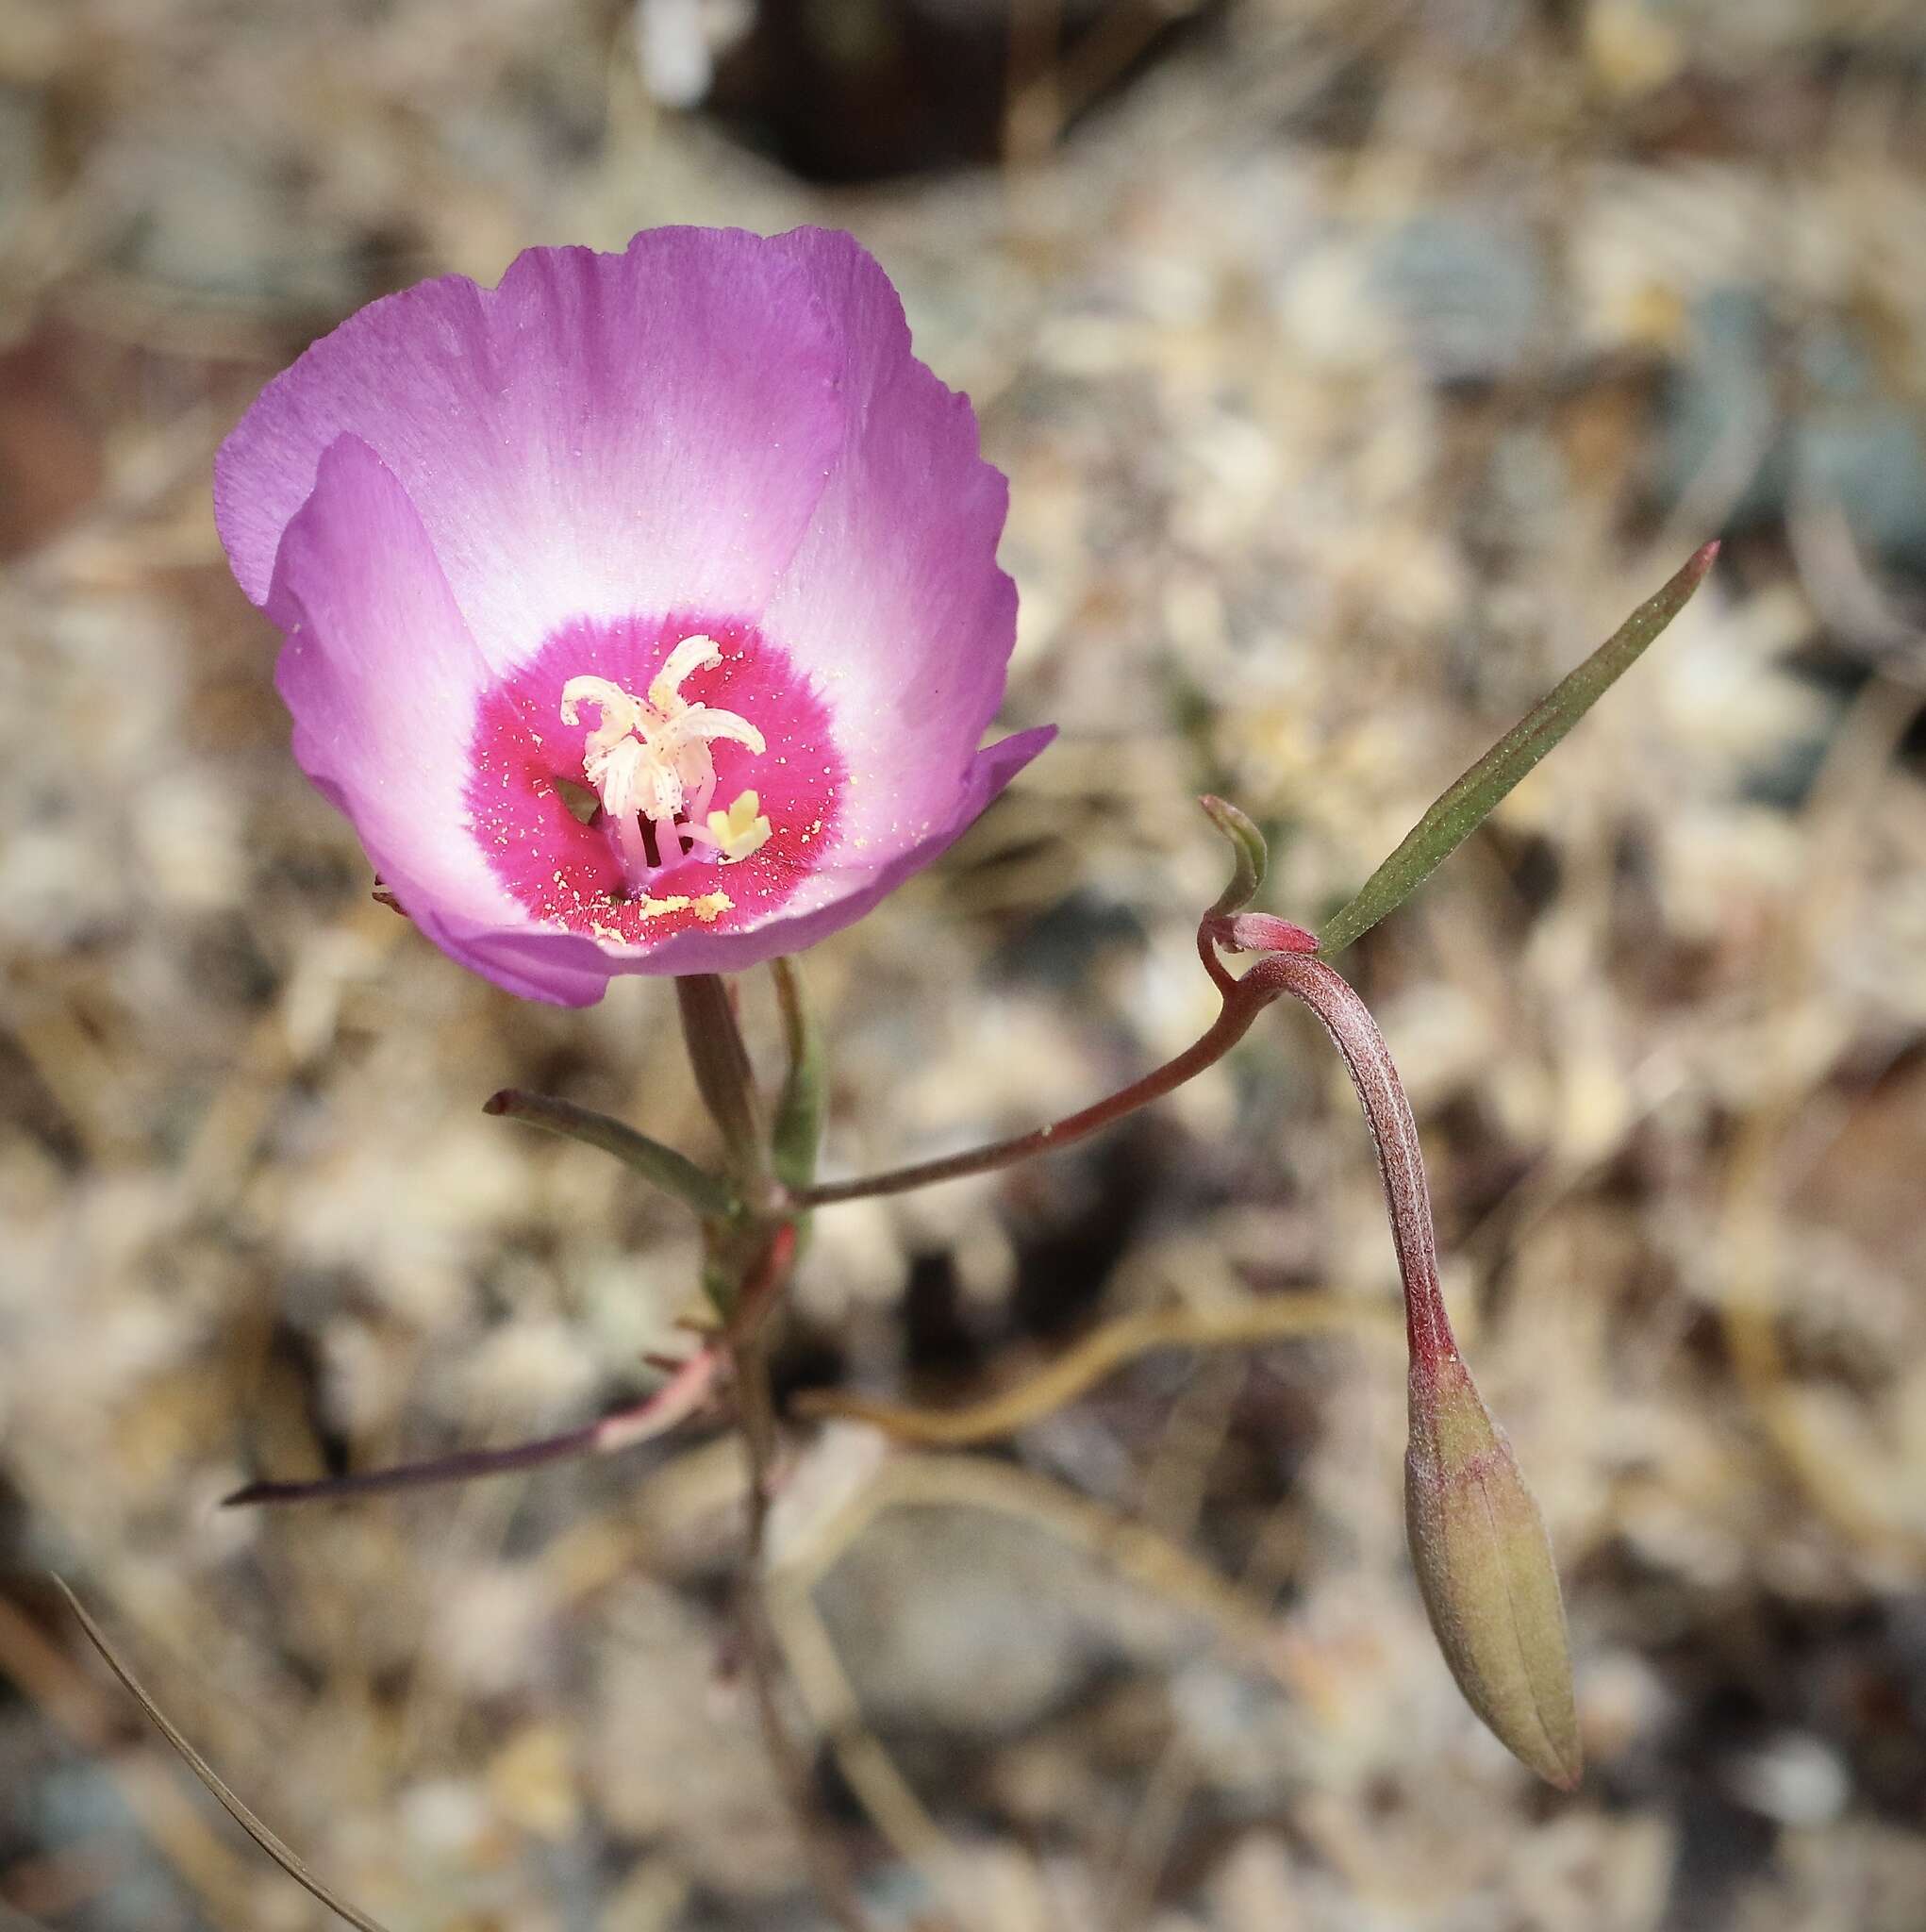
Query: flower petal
{"points": [[381, 677], [459, 478], [894, 603], [557, 968], [600, 435]]}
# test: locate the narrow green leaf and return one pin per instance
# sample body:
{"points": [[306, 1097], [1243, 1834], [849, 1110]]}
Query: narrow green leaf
{"points": [[675, 1173], [1250, 856], [1466, 804], [799, 1115], [275, 1849]]}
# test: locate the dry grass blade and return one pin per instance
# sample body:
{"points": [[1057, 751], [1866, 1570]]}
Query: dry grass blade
{"points": [[1101, 1352], [266, 1840]]}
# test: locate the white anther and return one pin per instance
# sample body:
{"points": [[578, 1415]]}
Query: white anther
{"points": [[621, 714], [618, 775], [691, 654], [715, 724]]}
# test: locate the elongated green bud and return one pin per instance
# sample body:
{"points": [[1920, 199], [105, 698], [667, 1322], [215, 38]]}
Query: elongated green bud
{"points": [[1485, 1568], [796, 1134], [722, 1075]]}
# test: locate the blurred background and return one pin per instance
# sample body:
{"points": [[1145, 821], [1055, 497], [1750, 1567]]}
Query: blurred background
{"points": [[1357, 365]]}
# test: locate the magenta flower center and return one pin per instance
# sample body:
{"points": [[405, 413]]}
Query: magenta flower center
{"points": [[639, 776], [649, 762]]}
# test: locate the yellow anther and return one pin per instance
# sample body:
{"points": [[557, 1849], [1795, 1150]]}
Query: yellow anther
{"points": [[741, 830]]}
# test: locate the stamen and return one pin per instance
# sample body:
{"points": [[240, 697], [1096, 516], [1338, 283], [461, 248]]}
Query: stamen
{"points": [[741, 830], [650, 760], [620, 711], [691, 654], [699, 719]]}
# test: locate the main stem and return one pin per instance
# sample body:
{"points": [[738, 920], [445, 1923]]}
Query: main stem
{"points": [[724, 1076], [756, 1249], [829, 1868]]}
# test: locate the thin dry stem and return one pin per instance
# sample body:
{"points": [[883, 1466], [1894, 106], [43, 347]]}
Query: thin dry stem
{"points": [[169, 1820], [1100, 1354], [273, 1845], [828, 1867], [679, 1398], [1244, 999]]}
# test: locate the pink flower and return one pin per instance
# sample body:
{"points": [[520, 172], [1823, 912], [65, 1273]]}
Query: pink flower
{"points": [[642, 614]]}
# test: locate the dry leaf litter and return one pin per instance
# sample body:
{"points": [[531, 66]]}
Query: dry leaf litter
{"points": [[1356, 367]]}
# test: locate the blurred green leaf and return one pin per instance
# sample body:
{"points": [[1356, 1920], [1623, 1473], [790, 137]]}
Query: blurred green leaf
{"points": [[673, 1172], [797, 1133], [1462, 808]]}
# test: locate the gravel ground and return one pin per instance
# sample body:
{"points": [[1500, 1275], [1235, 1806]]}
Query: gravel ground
{"points": [[1356, 367]]}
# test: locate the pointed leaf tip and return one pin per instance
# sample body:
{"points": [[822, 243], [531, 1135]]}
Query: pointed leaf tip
{"points": [[673, 1172], [1250, 856], [1476, 794]]}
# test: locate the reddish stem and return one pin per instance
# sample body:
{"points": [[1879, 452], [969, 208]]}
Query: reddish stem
{"points": [[1394, 1134], [762, 1286], [675, 1402], [1244, 999], [1386, 1112]]}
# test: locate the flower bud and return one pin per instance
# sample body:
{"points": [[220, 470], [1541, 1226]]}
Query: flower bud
{"points": [[1485, 1567], [1482, 1559]]}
